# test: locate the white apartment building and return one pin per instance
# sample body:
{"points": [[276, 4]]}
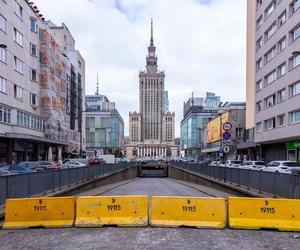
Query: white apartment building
{"points": [[33, 88]]}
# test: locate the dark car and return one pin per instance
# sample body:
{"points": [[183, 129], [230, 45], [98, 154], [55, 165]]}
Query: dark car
{"points": [[32, 165], [15, 169]]}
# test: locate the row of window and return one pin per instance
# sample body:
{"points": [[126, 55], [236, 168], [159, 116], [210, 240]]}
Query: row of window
{"points": [[269, 78], [29, 121], [294, 5], [294, 89], [279, 121], [18, 92], [277, 48]]}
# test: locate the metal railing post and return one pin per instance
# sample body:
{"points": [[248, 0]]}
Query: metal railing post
{"points": [[60, 171], [28, 183]]}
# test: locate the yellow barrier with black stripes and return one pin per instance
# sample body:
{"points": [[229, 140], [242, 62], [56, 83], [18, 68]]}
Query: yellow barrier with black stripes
{"points": [[260, 213], [188, 211], [39, 212], [94, 211]]}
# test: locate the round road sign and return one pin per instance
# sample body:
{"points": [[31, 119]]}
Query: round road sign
{"points": [[226, 149], [227, 126]]}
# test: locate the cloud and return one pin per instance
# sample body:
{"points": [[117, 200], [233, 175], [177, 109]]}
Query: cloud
{"points": [[200, 45]]}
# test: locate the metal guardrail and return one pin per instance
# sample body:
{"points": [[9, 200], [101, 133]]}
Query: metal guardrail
{"points": [[28, 185], [277, 184]]}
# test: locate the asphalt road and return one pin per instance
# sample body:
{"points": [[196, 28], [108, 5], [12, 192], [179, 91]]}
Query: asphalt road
{"points": [[154, 186]]}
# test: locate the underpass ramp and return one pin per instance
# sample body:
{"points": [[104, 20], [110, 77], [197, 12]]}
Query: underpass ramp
{"points": [[97, 211], [39, 212], [197, 212], [260, 213]]}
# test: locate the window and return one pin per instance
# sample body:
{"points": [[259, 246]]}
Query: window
{"points": [[259, 64], [239, 132], [271, 77], [270, 101], [281, 44], [295, 116], [270, 124], [295, 89], [18, 65], [18, 9], [281, 95], [18, 37], [259, 43], [5, 114], [295, 33], [295, 61], [282, 19], [269, 10], [259, 22], [281, 70], [2, 23], [258, 127], [281, 120], [294, 6], [270, 31], [33, 25], [2, 84], [2, 55], [33, 49], [33, 75], [259, 106], [18, 92], [259, 85], [33, 99], [270, 54]]}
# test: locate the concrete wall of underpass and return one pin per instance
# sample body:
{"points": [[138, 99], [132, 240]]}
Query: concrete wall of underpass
{"points": [[188, 176], [122, 175]]}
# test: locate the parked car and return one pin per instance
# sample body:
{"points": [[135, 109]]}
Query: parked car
{"points": [[232, 163], [49, 165], [4, 172], [286, 167], [254, 165], [34, 165], [72, 163], [213, 163], [15, 169]]}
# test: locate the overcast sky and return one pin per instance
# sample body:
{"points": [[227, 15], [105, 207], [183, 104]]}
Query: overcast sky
{"points": [[200, 45]]}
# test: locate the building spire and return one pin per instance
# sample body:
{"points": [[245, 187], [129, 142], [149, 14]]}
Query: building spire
{"points": [[151, 39], [97, 89]]}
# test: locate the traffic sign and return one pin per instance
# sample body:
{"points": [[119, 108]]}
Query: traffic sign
{"points": [[226, 149], [227, 126], [226, 136]]}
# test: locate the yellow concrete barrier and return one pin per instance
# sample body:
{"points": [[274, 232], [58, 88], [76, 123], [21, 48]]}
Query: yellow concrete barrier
{"points": [[259, 213], [94, 211], [188, 211], [39, 212]]}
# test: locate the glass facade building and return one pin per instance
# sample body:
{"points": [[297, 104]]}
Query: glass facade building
{"points": [[197, 113], [104, 126]]}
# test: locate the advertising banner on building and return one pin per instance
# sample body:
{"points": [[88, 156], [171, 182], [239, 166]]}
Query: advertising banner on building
{"points": [[215, 126]]}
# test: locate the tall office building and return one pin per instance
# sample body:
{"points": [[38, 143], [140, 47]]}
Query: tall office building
{"points": [[151, 131], [104, 126], [277, 78]]}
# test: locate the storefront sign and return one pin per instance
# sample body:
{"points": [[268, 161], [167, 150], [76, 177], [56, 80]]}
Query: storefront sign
{"points": [[293, 145]]}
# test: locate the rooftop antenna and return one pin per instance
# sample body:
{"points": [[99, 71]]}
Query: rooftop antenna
{"points": [[151, 39], [97, 89]]}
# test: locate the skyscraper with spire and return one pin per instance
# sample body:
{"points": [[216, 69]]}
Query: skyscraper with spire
{"points": [[151, 130]]}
